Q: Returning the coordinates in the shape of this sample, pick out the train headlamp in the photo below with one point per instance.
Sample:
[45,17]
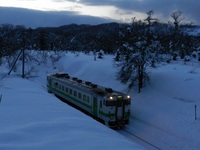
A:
[111,98]
[128,96]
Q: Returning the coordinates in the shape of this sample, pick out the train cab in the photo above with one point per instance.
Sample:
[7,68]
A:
[117,106]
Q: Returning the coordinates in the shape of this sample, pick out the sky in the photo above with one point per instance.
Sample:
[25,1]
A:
[99,11]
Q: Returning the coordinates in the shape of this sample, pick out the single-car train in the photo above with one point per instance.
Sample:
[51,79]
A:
[105,104]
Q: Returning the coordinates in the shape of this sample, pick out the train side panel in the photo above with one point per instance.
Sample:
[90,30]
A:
[72,95]
[110,107]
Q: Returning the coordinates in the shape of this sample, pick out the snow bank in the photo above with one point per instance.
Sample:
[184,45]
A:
[163,114]
[31,118]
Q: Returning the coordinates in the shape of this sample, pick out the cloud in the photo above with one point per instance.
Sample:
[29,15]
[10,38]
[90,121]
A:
[34,18]
[81,11]
[163,8]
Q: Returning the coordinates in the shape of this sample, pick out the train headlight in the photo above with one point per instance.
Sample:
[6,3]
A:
[128,96]
[111,98]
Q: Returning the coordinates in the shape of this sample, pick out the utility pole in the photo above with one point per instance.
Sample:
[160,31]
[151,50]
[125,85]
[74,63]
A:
[195,112]
[0,98]
[15,62]
[23,63]
[21,53]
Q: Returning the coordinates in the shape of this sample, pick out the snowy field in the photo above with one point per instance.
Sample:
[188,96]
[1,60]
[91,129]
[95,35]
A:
[163,114]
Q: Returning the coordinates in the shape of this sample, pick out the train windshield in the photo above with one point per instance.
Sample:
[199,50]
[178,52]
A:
[118,103]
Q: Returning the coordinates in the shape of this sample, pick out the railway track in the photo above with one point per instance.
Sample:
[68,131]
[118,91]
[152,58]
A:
[138,139]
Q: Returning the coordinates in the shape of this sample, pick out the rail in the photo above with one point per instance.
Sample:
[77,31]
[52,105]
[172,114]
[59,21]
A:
[141,140]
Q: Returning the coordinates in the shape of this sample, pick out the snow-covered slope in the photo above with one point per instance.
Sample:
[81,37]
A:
[167,107]
[163,114]
[33,119]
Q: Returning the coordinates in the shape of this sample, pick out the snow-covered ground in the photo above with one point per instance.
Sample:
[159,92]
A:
[163,114]
[165,111]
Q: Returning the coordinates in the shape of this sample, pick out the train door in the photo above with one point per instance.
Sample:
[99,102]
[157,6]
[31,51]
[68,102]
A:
[95,106]
[120,110]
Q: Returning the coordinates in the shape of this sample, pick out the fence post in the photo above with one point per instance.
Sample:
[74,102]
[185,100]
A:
[195,111]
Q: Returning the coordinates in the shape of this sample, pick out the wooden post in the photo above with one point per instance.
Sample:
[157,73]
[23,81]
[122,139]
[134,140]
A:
[23,62]
[195,111]
[0,98]
[95,55]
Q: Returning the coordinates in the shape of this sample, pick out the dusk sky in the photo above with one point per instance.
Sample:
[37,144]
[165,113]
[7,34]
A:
[60,12]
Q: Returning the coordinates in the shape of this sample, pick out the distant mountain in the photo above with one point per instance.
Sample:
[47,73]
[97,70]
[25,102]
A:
[35,18]
[84,37]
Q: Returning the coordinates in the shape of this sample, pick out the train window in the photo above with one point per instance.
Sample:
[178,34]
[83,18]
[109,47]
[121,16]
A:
[104,102]
[110,103]
[79,95]
[101,104]
[66,90]
[62,88]
[107,103]
[114,103]
[88,99]
[75,94]
[84,98]
[127,102]
[70,91]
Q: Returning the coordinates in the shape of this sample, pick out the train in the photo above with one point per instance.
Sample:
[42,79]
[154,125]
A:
[106,105]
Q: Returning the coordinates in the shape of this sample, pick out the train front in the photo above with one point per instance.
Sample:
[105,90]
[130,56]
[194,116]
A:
[118,106]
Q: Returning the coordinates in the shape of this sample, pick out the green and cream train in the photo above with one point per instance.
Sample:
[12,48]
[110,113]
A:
[109,106]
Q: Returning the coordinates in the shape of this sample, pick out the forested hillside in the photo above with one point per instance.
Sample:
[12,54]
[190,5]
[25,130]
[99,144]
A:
[79,37]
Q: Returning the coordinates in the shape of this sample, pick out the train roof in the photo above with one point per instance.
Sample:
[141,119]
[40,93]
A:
[85,85]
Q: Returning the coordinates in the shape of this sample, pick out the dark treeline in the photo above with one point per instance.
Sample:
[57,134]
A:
[84,37]
[68,37]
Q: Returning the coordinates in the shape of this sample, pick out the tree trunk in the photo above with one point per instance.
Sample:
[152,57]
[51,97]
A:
[140,78]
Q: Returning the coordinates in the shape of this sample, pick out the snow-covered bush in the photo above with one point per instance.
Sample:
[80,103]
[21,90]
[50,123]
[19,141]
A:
[32,60]
[198,55]
[195,54]
[100,54]
[187,58]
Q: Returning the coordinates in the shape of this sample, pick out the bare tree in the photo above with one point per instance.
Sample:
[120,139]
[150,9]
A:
[150,19]
[180,42]
[136,52]
[177,17]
